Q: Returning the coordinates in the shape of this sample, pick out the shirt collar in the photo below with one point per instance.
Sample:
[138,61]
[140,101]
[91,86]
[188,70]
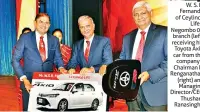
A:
[38,35]
[146,29]
[90,39]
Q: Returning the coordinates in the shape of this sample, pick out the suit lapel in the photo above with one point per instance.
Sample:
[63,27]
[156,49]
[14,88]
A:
[149,39]
[33,40]
[48,45]
[82,52]
[92,49]
[132,41]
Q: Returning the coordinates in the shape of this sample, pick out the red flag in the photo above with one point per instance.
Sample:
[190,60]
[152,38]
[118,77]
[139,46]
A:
[117,20]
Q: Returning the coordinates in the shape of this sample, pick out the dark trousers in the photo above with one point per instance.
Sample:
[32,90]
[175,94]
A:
[137,105]
[25,96]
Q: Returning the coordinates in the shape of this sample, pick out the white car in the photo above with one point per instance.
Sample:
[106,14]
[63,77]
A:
[71,96]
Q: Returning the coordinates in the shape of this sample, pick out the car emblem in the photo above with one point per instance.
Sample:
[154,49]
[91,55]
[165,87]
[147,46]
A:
[118,83]
[124,79]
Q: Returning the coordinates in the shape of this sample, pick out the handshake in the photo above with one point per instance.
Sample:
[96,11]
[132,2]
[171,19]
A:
[102,70]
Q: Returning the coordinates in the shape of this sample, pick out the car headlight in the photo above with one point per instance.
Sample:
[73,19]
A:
[52,95]
[49,95]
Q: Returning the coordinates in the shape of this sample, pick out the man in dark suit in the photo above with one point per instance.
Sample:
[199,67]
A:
[148,44]
[93,53]
[39,51]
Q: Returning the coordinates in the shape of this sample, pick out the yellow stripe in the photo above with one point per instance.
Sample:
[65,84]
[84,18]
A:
[159,11]
[27,15]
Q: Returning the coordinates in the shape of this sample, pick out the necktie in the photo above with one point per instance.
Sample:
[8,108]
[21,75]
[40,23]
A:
[42,49]
[139,53]
[87,51]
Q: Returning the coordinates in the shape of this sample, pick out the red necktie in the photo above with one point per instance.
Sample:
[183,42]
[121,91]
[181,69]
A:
[87,51]
[139,53]
[42,49]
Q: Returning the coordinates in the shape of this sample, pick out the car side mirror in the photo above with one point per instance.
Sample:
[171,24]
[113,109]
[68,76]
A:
[74,90]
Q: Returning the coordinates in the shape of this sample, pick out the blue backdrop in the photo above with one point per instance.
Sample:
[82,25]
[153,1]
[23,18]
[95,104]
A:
[7,35]
[59,12]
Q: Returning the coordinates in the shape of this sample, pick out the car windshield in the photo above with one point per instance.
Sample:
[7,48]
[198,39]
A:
[64,87]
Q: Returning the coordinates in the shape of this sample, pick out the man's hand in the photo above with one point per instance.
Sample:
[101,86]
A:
[102,69]
[71,71]
[27,84]
[144,76]
[63,70]
[87,70]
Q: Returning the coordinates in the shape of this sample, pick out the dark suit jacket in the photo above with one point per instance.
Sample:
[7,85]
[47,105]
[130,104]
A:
[100,53]
[154,61]
[26,48]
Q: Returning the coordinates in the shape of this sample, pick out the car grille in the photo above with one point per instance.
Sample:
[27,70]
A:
[42,101]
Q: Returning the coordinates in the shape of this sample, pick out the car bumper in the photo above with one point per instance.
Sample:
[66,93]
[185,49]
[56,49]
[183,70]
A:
[50,103]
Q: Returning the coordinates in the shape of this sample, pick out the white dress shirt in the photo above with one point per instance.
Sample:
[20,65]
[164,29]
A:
[137,41]
[45,42]
[85,44]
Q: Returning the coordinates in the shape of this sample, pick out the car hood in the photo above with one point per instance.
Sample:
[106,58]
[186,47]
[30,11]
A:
[56,92]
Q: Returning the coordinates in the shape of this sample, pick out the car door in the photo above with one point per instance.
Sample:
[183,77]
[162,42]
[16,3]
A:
[89,93]
[77,96]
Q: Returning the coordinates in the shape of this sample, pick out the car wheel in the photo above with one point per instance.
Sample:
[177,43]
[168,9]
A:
[62,106]
[95,104]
